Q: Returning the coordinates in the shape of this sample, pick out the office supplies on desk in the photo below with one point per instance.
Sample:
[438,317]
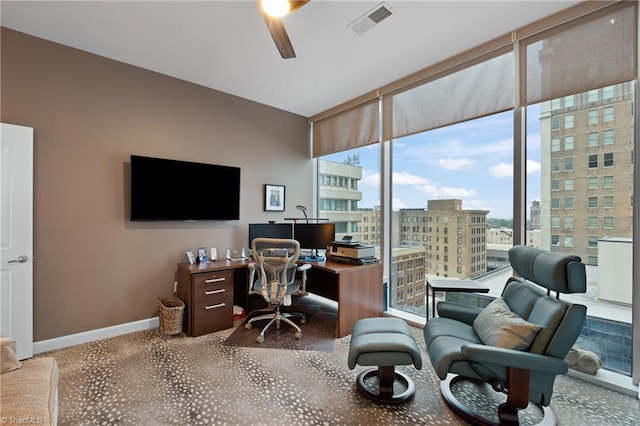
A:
[312,259]
[355,261]
[353,250]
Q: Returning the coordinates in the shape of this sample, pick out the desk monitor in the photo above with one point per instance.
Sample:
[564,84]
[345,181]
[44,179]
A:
[314,236]
[270,230]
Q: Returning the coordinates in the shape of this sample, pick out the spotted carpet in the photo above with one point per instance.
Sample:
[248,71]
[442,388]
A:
[145,378]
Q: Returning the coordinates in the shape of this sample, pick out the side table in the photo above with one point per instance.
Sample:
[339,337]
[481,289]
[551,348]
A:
[453,285]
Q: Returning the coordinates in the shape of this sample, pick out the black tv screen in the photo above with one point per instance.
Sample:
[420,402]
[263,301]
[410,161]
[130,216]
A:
[163,189]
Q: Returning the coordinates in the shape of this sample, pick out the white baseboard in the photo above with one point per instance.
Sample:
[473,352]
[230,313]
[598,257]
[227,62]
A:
[93,335]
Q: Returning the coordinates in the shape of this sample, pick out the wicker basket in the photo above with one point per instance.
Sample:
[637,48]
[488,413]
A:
[171,313]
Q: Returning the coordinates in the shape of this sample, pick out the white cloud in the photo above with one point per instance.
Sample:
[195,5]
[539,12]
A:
[372,180]
[398,204]
[533,167]
[430,188]
[502,170]
[477,204]
[448,192]
[456,145]
[454,163]
[405,178]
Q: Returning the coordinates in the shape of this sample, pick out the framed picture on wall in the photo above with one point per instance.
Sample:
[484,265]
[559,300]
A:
[273,198]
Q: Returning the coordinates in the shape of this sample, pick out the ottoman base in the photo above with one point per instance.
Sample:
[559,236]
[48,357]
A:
[387,377]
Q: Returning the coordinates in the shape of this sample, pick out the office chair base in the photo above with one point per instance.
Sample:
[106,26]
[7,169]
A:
[277,317]
[387,376]
[507,415]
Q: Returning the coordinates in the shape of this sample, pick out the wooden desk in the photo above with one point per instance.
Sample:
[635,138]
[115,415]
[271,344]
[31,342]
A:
[455,285]
[356,288]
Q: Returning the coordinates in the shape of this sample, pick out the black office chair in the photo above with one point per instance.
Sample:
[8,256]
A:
[273,275]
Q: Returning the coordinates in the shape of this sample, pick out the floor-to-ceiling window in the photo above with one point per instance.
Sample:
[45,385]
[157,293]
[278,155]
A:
[452,191]
[583,144]
[456,191]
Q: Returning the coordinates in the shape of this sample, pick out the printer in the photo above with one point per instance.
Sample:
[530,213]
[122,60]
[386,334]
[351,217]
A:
[351,250]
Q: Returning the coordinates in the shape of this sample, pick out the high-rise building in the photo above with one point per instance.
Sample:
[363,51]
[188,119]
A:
[408,285]
[454,239]
[534,212]
[339,196]
[586,150]
[457,240]
[369,229]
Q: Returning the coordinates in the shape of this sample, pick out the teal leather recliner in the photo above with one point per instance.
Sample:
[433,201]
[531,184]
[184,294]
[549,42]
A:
[518,342]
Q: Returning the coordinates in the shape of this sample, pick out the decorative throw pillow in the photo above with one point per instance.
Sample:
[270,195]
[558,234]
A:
[497,326]
[8,357]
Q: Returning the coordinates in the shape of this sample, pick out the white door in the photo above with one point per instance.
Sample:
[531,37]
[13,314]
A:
[16,236]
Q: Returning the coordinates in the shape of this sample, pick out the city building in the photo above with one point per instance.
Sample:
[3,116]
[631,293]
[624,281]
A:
[408,286]
[457,243]
[534,212]
[500,236]
[339,196]
[587,149]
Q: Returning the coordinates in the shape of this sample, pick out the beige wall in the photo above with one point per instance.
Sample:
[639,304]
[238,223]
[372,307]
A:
[94,268]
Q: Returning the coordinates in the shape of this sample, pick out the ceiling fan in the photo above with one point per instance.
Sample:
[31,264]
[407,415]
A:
[273,10]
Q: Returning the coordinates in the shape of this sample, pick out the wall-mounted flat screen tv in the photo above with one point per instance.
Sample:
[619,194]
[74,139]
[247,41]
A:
[164,189]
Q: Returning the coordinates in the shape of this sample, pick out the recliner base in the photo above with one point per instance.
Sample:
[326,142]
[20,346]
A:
[509,415]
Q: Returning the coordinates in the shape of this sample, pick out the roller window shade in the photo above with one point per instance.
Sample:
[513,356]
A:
[593,51]
[355,127]
[473,90]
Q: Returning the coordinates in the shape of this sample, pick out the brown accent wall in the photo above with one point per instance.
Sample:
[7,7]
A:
[93,267]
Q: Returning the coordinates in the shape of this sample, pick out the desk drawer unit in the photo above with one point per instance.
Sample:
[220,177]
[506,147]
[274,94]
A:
[211,302]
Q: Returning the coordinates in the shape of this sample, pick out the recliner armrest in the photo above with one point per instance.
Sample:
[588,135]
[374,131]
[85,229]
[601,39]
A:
[517,359]
[458,311]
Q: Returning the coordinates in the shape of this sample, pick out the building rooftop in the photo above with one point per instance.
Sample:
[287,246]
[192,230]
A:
[495,280]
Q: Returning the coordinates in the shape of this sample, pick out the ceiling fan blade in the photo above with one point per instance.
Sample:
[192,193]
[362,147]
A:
[297,4]
[280,37]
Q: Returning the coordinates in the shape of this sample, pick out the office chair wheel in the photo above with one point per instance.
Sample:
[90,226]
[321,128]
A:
[303,320]
[260,338]
[248,326]
[299,335]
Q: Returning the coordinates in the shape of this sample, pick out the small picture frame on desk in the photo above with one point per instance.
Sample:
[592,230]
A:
[190,257]
[274,198]
[202,255]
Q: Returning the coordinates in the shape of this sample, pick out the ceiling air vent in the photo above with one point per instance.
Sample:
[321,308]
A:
[371,18]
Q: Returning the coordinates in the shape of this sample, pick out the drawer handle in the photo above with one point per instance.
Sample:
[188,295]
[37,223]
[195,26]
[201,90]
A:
[219,305]
[222,290]
[214,280]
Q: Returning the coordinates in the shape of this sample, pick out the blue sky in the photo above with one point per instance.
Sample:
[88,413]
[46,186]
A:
[471,161]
